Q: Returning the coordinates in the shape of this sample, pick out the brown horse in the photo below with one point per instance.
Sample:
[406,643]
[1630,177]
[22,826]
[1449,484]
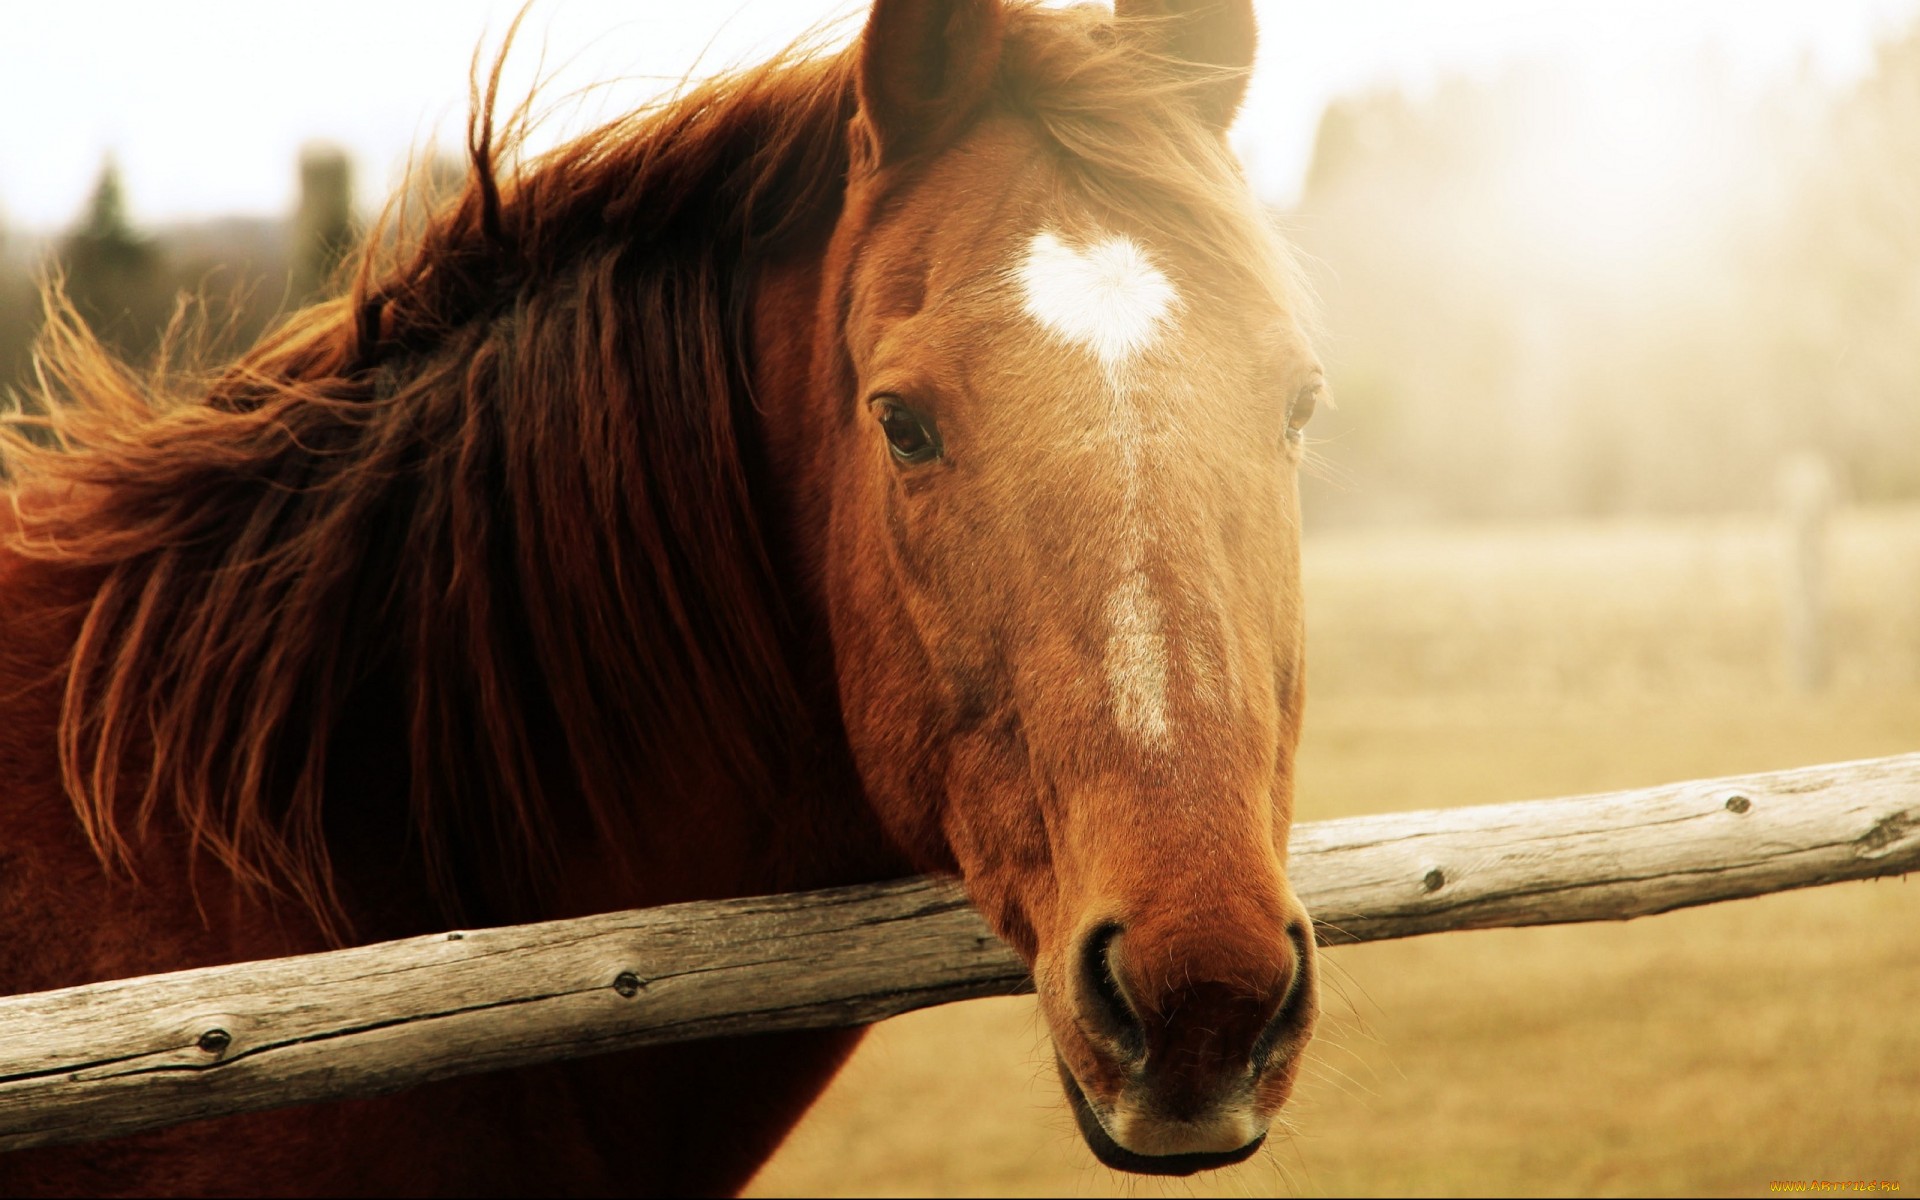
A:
[866,464]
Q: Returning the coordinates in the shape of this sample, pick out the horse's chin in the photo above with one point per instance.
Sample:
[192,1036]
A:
[1114,1155]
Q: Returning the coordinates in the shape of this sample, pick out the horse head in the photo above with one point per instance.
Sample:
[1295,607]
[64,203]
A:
[1058,381]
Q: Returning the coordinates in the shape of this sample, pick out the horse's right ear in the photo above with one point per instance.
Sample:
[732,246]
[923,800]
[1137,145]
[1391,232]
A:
[924,66]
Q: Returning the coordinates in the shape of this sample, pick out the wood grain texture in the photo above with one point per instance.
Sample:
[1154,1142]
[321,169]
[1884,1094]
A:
[1608,857]
[113,1058]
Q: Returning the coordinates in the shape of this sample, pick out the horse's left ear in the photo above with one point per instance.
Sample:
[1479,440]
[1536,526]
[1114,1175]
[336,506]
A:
[924,66]
[1215,35]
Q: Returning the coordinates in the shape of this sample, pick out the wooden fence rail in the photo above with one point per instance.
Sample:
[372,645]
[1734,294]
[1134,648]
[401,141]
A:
[112,1058]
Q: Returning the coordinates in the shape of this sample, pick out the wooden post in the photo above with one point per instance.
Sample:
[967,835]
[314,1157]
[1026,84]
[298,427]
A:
[112,1058]
[1806,498]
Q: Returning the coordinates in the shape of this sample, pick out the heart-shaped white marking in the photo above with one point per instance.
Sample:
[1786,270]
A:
[1108,297]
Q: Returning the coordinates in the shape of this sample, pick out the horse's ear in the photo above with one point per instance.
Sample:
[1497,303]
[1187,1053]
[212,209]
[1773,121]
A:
[924,65]
[1216,36]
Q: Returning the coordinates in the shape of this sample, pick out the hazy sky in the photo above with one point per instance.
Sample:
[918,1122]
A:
[205,103]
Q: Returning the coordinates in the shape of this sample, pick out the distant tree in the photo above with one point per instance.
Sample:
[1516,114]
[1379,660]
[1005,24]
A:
[114,276]
[323,225]
[19,322]
[13,327]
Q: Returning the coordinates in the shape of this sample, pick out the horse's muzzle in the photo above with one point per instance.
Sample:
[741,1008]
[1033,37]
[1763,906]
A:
[1179,1067]
[1114,1155]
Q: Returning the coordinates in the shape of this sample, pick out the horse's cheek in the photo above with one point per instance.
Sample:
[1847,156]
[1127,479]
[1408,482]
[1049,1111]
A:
[884,679]
[999,836]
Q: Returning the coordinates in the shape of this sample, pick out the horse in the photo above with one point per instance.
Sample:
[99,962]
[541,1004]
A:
[877,461]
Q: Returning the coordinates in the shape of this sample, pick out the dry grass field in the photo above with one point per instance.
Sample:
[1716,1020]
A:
[1710,1051]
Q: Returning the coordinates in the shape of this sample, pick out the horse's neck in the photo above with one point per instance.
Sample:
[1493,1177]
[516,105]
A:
[42,606]
[796,430]
[793,425]
[39,619]
[702,843]
[698,838]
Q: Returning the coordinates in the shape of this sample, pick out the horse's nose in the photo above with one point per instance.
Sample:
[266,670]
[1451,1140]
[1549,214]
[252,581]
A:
[1194,1021]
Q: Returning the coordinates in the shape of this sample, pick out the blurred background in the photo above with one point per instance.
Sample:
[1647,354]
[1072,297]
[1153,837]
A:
[1621,306]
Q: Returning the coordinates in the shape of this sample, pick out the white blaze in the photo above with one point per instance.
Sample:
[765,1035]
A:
[1137,659]
[1109,298]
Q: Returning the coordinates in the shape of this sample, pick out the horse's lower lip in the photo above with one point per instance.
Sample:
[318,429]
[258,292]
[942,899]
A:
[1114,1155]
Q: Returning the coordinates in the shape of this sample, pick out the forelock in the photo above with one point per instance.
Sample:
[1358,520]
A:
[1127,137]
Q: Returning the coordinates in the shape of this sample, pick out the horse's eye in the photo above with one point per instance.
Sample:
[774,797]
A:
[911,437]
[1301,411]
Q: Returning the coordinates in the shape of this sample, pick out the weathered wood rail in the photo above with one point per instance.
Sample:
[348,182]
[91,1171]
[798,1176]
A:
[112,1058]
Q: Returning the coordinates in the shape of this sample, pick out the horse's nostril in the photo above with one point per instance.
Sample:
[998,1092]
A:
[1293,1011]
[1105,1001]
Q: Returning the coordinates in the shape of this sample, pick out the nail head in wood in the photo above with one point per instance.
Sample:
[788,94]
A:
[1434,880]
[1737,803]
[215,1041]
[627,984]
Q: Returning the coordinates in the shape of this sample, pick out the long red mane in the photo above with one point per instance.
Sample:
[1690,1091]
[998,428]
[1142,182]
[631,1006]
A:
[499,494]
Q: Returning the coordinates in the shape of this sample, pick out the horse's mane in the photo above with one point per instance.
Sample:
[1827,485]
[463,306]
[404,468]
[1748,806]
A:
[503,492]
